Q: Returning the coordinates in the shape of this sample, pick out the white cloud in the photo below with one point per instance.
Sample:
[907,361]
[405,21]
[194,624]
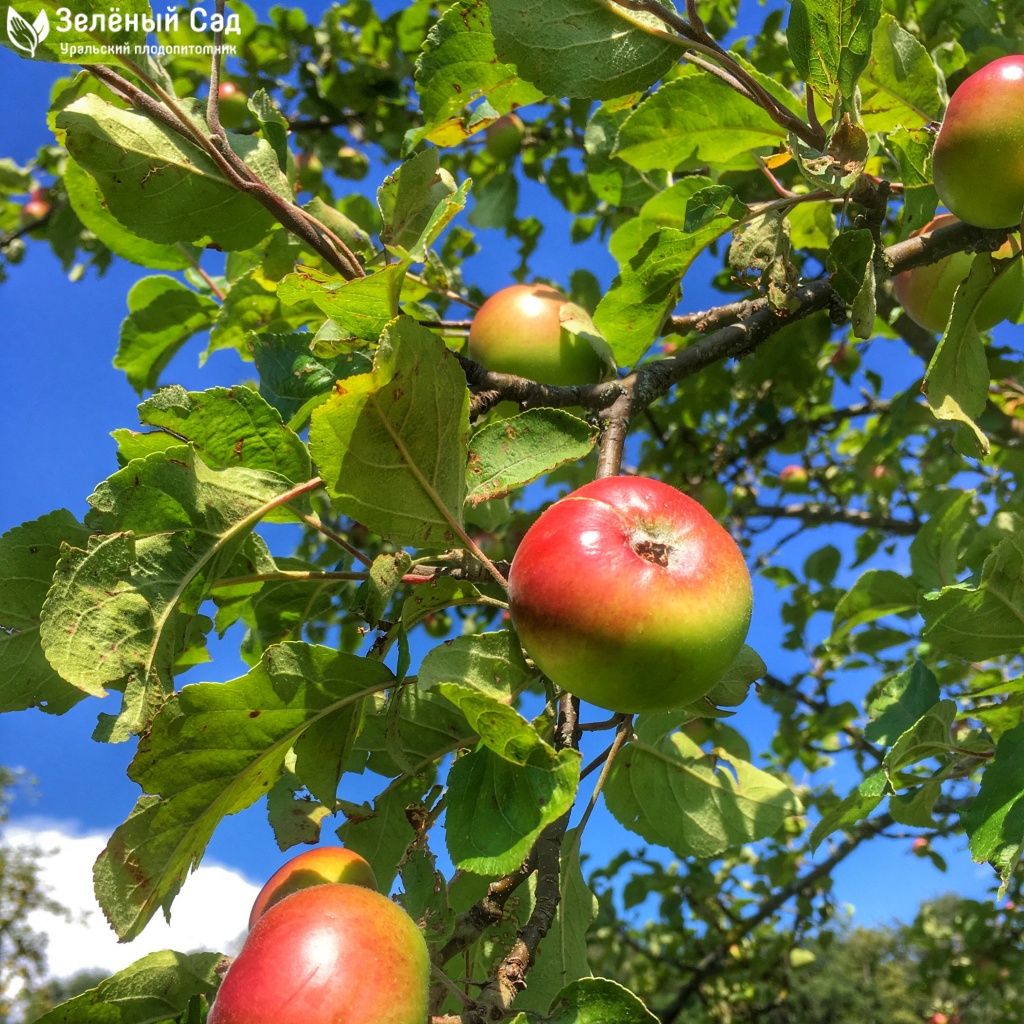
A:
[211,911]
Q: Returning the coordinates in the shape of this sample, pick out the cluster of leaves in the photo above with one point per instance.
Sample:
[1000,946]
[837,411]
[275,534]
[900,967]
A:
[367,435]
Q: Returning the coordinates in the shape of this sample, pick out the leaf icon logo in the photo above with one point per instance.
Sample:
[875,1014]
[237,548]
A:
[25,35]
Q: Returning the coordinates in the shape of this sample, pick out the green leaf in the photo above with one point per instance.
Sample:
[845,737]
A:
[927,737]
[14,178]
[877,593]
[510,453]
[957,380]
[987,621]
[416,203]
[292,372]
[900,703]
[669,791]
[457,66]
[497,809]
[391,444]
[830,44]
[696,120]
[120,612]
[853,808]
[915,807]
[598,1001]
[995,821]
[847,261]
[28,555]
[162,315]
[935,551]
[230,427]
[490,663]
[362,307]
[294,817]
[385,578]
[161,186]
[501,728]
[901,85]
[156,988]
[214,749]
[87,202]
[579,48]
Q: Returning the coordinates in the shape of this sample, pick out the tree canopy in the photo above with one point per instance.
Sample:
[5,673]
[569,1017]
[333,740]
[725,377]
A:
[329,231]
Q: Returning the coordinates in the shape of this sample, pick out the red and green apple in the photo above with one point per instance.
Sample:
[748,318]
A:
[630,595]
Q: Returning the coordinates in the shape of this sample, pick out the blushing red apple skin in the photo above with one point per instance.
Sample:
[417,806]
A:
[926,293]
[623,631]
[978,159]
[517,330]
[318,866]
[329,954]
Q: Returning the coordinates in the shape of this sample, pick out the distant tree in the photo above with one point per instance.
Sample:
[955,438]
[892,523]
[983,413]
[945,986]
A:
[22,948]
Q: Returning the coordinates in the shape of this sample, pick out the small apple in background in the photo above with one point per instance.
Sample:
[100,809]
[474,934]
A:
[845,361]
[629,595]
[938,1018]
[794,478]
[978,159]
[309,172]
[518,331]
[504,138]
[232,104]
[318,866]
[712,495]
[919,846]
[926,293]
[351,163]
[437,624]
[329,954]
[882,479]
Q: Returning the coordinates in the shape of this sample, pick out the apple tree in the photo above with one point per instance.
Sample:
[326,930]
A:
[349,506]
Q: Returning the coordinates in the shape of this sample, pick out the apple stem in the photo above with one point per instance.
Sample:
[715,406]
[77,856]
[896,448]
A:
[622,734]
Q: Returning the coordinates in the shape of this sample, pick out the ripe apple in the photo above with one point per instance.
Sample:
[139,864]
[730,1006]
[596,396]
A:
[978,159]
[926,293]
[938,1018]
[793,478]
[504,138]
[628,594]
[882,479]
[35,210]
[313,867]
[919,846]
[518,330]
[232,104]
[330,954]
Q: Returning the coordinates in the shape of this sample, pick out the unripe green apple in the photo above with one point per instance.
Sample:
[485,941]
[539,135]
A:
[309,172]
[330,954]
[926,293]
[318,866]
[794,478]
[518,330]
[504,138]
[712,495]
[978,159]
[232,105]
[629,595]
[845,361]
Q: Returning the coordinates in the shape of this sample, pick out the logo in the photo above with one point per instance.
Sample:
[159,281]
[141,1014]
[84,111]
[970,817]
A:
[27,35]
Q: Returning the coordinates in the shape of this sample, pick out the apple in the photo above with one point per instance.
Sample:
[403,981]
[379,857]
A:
[793,478]
[926,293]
[938,1018]
[318,866]
[978,159]
[309,172]
[34,210]
[352,164]
[845,361]
[882,479]
[630,595]
[518,330]
[504,138]
[712,495]
[437,624]
[919,846]
[329,954]
[232,105]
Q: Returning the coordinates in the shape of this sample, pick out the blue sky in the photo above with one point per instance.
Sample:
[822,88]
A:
[61,400]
